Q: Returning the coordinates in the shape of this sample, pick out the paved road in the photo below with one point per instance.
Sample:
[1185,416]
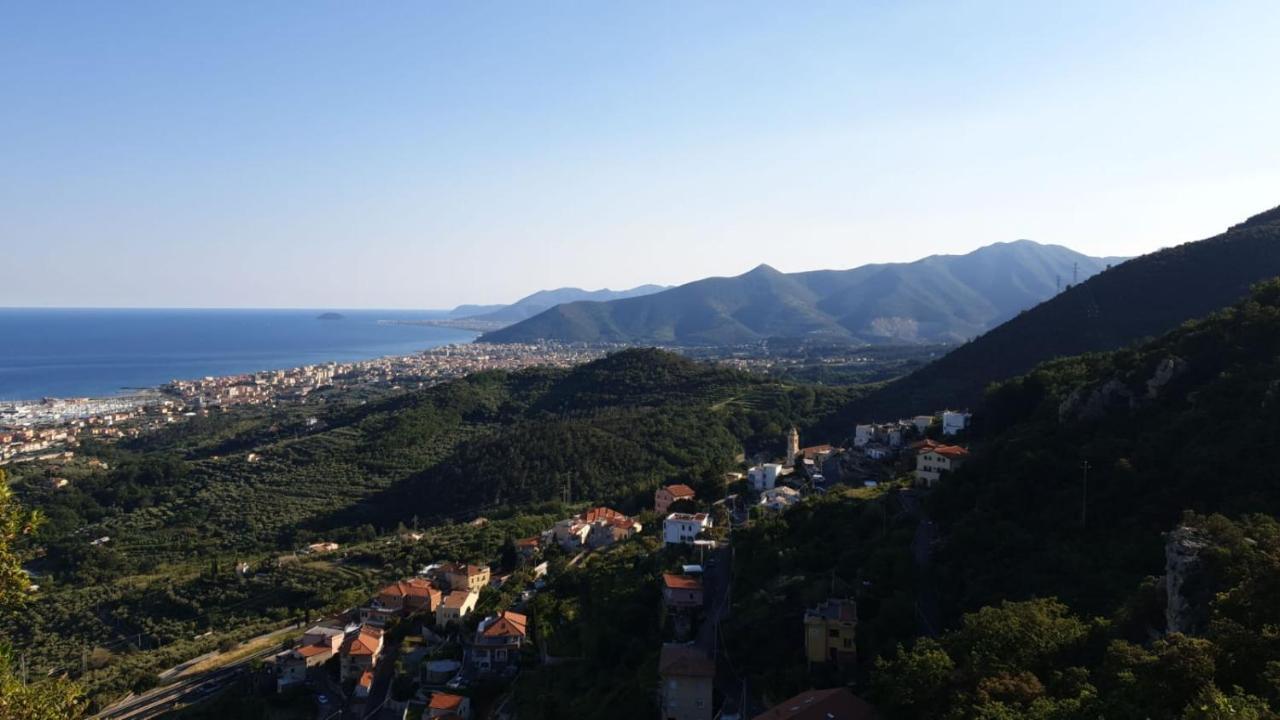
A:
[716,583]
[191,689]
[922,545]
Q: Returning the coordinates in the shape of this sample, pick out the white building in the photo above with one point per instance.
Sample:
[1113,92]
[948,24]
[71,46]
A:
[876,451]
[680,528]
[779,498]
[953,422]
[863,434]
[764,477]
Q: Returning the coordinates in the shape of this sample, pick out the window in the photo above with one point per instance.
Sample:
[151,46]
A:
[833,633]
[848,643]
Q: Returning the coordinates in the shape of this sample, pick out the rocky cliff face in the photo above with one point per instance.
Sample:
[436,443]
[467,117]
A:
[1092,402]
[1185,606]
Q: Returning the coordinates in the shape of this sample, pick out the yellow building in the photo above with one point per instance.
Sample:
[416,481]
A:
[830,632]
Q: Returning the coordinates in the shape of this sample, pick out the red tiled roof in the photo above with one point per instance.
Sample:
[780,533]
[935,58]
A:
[603,513]
[833,704]
[950,451]
[456,599]
[366,679]
[508,624]
[685,660]
[445,701]
[681,582]
[367,642]
[680,491]
[312,650]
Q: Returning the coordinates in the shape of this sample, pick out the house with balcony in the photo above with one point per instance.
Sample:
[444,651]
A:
[933,460]
[498,641]
[684,528]
[360,652]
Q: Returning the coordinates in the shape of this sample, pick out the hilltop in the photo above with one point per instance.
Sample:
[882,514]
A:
[1141,298]
[942,298]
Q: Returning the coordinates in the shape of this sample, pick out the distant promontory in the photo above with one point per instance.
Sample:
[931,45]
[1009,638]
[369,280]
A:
[330,316]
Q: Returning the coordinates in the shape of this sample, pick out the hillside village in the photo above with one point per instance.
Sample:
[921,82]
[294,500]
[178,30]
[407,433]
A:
[419,647]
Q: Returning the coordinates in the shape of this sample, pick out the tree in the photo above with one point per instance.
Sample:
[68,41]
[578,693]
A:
[14,523]
[509,556]
[47,698]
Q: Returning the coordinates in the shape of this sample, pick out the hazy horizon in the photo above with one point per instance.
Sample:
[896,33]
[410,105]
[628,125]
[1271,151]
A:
[455,305]
[416,156]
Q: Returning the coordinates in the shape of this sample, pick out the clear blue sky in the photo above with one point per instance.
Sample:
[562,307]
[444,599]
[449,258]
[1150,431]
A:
[424,154]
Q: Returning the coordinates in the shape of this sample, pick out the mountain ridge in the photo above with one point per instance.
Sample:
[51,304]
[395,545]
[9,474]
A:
[1143,297]
[939,298]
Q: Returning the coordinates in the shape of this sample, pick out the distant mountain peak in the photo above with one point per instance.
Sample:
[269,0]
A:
[943,298]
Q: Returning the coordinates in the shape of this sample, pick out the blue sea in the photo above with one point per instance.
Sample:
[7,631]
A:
[92,352]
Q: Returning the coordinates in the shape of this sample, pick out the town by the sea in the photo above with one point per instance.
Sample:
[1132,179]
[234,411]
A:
[46,352]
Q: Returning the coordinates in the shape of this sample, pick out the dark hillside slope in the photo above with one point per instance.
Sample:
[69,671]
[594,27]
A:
[1177,424]
[1141,298]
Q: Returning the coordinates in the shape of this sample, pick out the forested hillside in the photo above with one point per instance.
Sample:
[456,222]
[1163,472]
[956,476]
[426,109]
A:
[1175,433]
[1141,298]
[179,509]
[942,298]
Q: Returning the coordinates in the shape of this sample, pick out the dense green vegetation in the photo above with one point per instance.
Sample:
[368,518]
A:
[848,544]
[1037,659]
[182,507]
[1168,431]
[941,298]
[1141,298]
[601,621]
[21,697]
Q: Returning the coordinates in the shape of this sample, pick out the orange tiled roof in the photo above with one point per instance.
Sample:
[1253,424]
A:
[508,624]
[312,650]
[681,582]
[367,642]
[366,679]
[445,701]
[603,513]
[455,599]
[950,451]
[680,491]
[686,661]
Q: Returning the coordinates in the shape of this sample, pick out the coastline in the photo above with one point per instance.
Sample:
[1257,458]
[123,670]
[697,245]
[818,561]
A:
[88,353]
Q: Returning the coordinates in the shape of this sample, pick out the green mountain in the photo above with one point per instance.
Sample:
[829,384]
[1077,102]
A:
[1143,297]
[942,298]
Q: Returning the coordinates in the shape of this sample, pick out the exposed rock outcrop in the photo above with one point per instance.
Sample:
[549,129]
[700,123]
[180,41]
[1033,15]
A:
[1185,604]
[1167,371]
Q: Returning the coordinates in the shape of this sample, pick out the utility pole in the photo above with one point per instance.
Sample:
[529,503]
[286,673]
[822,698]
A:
[1084,493]
[1075,273]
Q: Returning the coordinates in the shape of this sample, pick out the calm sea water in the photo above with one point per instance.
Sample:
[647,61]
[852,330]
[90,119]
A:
[72,353]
